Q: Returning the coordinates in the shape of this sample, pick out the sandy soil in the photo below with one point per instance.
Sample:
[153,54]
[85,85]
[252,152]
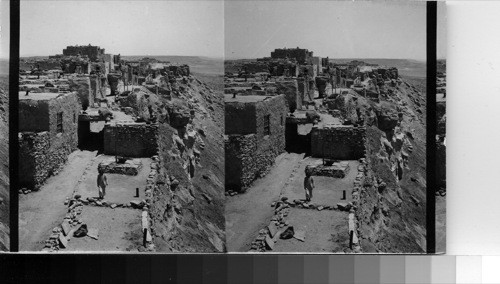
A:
[41,211]
[121,188]
[250,212]
[440,223]
[321,229]
[328,191]
[247,213]
[119,230]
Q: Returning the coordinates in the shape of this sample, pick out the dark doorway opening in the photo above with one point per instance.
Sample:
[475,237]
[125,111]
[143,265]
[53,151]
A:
[89,138]
[297,142]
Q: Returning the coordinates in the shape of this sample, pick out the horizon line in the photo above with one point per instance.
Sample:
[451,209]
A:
[131,55]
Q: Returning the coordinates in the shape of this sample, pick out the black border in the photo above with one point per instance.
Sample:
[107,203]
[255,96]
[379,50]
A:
[13,124]
[431,126]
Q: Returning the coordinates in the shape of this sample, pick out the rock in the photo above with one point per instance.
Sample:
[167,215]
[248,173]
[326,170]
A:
[387,120]
[93,233]
[381,187]
[174,183]
[66,227]
[136,204]
[66,202]
[206,177]
[269,243]
[63,241]
[70,234]
[300,235]
[273,229]
[81,231]
[342,206]
[284,198]
[78,196]
[98,203]
[288,233]
[113,206]
[207,198]
[320,208]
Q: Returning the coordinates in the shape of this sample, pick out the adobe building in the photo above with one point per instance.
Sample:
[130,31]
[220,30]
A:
[47,134]
[92,52]
[303,56]
[131,139]
[338,142]
[255,136]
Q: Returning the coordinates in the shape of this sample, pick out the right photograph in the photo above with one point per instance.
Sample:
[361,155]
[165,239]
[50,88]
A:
[325,127]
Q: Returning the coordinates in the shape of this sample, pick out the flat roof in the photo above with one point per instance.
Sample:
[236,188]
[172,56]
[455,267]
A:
[40,96]
[228,98]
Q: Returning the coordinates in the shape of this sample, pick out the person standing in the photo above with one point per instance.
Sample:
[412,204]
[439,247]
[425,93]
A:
[308,184]
[102,182]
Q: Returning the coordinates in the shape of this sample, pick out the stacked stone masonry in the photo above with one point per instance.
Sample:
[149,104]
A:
[131,140]
[40,158]
[249,156]
[342,143]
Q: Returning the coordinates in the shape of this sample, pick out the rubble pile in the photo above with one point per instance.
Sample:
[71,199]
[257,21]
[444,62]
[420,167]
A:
[129,167]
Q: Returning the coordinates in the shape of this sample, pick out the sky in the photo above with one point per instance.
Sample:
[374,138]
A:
[4,29]
[442,27]
[188,28]
[343,29]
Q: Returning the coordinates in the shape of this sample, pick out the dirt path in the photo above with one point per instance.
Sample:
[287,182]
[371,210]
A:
[326,230]
[441,223]
[119,228]
[41,211]
[328,191]
[248,213]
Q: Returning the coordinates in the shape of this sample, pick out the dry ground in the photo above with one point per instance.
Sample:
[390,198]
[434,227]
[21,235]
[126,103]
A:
[41,211]
[326,230]
[249,212]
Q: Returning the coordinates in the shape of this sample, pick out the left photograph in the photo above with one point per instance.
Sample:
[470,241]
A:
[4,127]
[121,127]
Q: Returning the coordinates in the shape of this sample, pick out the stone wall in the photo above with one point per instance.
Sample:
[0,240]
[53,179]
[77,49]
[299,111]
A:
[239,166]
[275,108]
[343,143]
[303,89]
[69,106]
[44,149]
[248,157]
[97,90]
[301,55]
[33,115]
[291,91]
[40,158]
[239,118]
[131,140]
[82,86]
